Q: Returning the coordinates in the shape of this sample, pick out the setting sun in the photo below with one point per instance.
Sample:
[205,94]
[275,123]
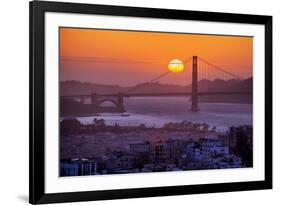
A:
[176,66]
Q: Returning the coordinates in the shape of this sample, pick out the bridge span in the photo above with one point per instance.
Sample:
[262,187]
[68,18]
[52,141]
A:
[208,72]
[118,99]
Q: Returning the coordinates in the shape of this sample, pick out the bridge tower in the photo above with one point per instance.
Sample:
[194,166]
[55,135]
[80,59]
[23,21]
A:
[120,102]
[194,106]
[94,101]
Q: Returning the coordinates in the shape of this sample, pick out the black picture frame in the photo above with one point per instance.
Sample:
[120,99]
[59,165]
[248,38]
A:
[37,9]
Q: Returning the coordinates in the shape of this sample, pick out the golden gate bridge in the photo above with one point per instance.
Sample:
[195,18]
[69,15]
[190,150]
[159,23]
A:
[196,69]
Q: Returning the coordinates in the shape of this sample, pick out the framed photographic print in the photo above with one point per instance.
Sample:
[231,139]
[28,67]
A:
[140,102]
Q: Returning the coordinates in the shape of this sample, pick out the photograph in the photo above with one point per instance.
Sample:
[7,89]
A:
[135,102]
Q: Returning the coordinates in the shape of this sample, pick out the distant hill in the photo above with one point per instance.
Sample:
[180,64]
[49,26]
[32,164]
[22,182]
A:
[217,85]
[81,88]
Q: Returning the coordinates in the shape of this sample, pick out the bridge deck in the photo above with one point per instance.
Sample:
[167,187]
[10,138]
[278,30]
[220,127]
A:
[160,94]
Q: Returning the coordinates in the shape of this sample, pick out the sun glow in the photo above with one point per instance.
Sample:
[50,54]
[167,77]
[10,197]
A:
[176,66]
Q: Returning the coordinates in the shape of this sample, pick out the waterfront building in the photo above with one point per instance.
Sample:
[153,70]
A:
[140,147]
[235,133]
[78,167]
[126,161]
[212,148]
[159,152]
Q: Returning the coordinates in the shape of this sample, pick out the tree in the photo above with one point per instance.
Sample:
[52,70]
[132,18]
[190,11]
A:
[70,126]
[205,127]
[142,126]
[116,127]
[99,122]
[244,149]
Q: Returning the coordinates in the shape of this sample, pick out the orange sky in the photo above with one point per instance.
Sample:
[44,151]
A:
[128,58]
